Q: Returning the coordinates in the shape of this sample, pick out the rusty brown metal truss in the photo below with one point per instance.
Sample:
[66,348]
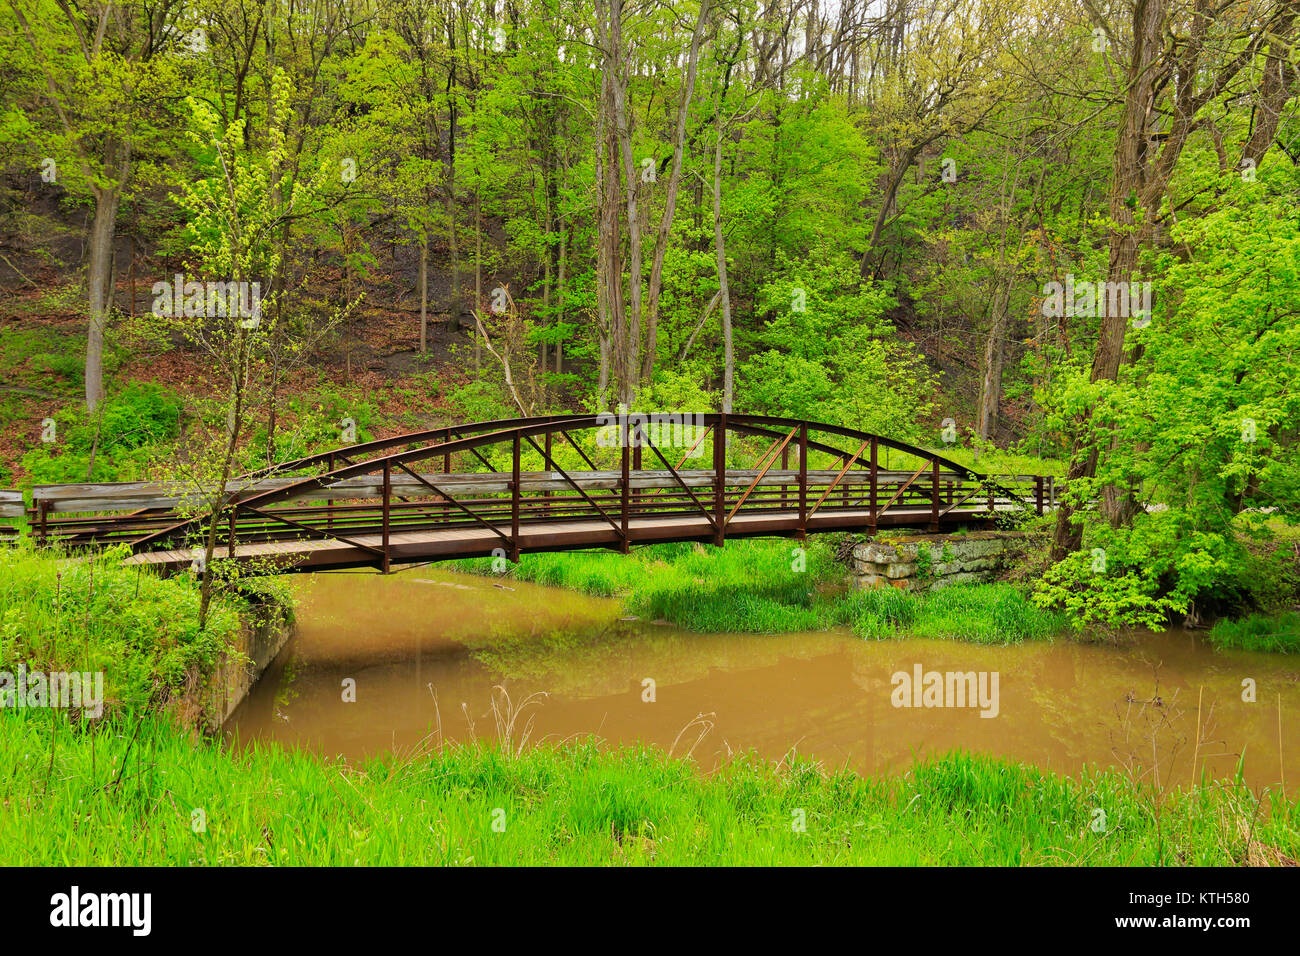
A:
[401,500]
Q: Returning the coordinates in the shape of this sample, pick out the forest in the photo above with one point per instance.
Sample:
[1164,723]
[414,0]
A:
[1058,235]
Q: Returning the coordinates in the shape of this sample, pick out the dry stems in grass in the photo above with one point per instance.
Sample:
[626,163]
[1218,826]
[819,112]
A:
[704,722]
[506,715]
[1148,727]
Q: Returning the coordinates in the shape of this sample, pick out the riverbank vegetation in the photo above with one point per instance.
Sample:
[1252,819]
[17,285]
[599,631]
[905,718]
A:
[91,613]
[143,793]
[773,586]
[134,787]
[1259,632]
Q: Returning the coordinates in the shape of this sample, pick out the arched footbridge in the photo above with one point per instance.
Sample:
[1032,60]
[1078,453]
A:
[553,483]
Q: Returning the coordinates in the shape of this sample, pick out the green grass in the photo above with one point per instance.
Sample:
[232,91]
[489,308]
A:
[40,357]
[93,614]
[128,795]
[1279,633]
[753,586]
[981,614]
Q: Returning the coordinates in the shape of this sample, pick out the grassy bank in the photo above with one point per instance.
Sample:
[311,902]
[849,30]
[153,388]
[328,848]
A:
[134,788]
[149,795]
[768,586]
[1278,633]
[60,613]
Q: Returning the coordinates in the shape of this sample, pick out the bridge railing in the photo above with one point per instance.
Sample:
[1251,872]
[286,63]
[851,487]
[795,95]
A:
[743,473]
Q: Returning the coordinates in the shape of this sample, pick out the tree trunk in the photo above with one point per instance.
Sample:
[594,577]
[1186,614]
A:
[99,276]
[235,421]
[670,203]
[424,292]
[559,342]
[478,279]
[1131,167]
[611,324]
[724,293]
[991,389]
[887,205]
[626,324]
[453,317]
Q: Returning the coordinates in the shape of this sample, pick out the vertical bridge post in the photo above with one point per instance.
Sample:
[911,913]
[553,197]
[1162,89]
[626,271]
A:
[934,498]
[720,480]
[803,480]
[874,479]
[1038,493]
[625,486]
[785,466]
[329,504]
[388,497]
[636,460]
[446,469]
[547,465]
[514,502]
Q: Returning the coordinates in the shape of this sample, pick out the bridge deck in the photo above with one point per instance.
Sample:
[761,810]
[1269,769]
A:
[406,547]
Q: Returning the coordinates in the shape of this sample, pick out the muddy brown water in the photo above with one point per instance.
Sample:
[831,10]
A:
[426,648]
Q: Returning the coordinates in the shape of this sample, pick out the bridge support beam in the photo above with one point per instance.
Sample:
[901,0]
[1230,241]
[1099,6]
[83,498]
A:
[803,481]
[514,502]
[625,489]
[388,498]
[875,477]
[934,498]
[720,480]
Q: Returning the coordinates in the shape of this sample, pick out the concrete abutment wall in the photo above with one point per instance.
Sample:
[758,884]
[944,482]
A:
[929,562]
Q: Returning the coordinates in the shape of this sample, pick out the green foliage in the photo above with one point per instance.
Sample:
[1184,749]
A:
[131,425]
[1140,575]
[746,586]
[481,401]
[95,614]
[1210,442]
[824,356]
[883,612]
[317,420]
[680,388]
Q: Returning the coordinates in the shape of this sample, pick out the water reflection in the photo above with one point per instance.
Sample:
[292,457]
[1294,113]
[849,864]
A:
[425,648]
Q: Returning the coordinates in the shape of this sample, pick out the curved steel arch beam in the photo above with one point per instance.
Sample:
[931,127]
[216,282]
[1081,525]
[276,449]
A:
[381,444]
